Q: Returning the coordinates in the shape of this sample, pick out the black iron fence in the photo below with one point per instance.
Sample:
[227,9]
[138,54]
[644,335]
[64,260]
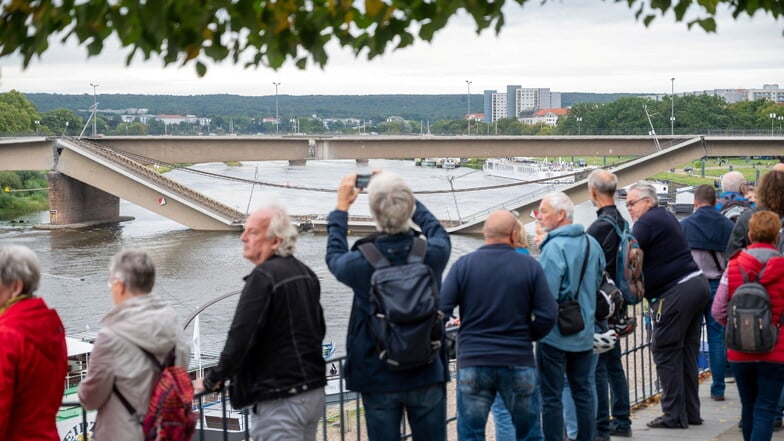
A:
[342,417]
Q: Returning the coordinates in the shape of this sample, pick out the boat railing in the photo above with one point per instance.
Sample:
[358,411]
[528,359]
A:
[342,416]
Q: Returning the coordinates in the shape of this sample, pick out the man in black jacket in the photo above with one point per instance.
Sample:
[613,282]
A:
[273,351]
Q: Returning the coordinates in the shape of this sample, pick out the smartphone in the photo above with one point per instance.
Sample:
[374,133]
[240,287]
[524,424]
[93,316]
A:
[362,181]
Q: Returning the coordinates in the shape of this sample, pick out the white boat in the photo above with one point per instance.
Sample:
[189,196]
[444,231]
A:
[529,169]
[428,162]
[449,163]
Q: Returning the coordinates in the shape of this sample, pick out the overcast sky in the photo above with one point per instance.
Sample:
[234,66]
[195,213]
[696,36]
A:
[585,46]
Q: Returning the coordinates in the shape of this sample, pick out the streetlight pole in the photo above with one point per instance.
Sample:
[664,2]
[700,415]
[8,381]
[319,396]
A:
[672,109]
[780,118]
[468,83]
[772,118]
[579,125]
[277,120]
[95,109]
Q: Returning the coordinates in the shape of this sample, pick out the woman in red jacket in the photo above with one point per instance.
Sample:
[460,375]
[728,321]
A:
[33,358]
[759,376]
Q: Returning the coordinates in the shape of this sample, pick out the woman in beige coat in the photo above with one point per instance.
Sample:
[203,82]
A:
[139,320]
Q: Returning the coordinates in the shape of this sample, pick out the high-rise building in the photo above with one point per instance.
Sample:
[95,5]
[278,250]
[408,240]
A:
[511,101]
[495,106]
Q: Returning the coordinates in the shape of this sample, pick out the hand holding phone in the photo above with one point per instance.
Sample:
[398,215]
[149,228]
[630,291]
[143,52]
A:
[362,181]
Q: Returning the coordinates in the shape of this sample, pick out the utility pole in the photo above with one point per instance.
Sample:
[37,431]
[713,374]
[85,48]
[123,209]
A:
[672,112]
[277,120]
[95,110]
[468,114]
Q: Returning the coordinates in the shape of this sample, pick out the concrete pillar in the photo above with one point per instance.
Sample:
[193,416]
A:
[363,162]
[72,202]
[297,162]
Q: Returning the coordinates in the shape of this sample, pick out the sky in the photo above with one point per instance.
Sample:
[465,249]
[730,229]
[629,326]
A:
[582,46]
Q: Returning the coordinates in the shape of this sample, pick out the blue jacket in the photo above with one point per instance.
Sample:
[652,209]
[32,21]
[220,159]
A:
[363,370]
[504,303]
[561,258]
[707,229]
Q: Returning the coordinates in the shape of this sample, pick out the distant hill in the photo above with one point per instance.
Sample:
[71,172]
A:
[372,107]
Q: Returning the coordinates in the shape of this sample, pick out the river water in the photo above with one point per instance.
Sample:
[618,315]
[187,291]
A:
[194,267]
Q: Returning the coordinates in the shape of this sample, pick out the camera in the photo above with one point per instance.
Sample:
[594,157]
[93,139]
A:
[362,181]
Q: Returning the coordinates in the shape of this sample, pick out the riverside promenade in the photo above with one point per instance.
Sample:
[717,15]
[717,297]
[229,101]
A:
[721,420]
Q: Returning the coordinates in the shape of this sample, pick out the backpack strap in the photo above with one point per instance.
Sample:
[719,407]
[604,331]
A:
[374,256]
[168,361]
[612,222]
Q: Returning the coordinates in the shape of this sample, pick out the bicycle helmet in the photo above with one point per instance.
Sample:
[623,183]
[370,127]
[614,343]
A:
[604,342]
[623,326]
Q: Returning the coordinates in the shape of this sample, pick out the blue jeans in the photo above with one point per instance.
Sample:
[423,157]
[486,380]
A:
[717,352]
[759,386]
[553,363]
[504,427]
[477,387]
[425,408]
[610,377]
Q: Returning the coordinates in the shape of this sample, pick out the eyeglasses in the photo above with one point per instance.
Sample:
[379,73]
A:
[631,204]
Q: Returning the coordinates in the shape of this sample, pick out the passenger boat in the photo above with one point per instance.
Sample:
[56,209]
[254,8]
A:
[428,162]
[529,169]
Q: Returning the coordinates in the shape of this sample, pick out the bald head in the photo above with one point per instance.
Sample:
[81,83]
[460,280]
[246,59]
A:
[501,227]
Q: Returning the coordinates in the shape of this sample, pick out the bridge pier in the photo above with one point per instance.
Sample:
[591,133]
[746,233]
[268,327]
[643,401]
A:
[363,162]
[74,202]
[297,162]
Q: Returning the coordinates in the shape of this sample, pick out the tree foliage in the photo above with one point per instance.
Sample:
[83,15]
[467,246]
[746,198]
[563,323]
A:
[270,33]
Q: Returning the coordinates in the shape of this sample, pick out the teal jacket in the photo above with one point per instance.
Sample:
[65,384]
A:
[561,258]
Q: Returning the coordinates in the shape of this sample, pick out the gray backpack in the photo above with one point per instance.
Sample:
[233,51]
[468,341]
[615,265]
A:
[750,326]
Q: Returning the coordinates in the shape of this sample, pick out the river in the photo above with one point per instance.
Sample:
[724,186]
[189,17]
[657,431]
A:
[194,267]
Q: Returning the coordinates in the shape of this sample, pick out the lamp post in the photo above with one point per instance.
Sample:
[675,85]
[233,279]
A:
[579,124]
[468,83]
[772,118]
[37,123]
[277,120]
[780,118]
[95,109]
[672,107]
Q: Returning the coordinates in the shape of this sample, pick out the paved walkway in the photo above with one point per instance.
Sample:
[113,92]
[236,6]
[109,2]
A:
[721,420]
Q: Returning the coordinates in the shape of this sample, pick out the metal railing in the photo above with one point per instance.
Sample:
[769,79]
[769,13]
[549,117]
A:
[342,413]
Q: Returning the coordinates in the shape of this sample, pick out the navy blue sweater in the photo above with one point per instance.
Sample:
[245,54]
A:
[667,256]
[505,304]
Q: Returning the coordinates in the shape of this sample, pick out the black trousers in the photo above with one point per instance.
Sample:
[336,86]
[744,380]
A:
[675,346]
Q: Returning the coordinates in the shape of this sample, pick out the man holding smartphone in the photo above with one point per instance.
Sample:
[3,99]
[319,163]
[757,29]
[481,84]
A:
[387,393]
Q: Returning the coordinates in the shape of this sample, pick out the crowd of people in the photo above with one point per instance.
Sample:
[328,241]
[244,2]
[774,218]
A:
[527,342]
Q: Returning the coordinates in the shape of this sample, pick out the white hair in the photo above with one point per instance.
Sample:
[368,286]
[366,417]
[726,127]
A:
[732,181]
[391,202]
[18,262]
[560,201]
[280,226]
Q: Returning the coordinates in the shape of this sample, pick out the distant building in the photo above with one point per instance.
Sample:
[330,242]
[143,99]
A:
[495,106]
[768,92]
[518,102]
[545,116]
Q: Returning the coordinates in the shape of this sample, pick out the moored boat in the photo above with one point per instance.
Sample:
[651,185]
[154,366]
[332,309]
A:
[529,169]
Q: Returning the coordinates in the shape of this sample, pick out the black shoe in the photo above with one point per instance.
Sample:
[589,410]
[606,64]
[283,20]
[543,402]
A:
[697,422]
[659,423]
[625,432]
[777,425]
[717,397]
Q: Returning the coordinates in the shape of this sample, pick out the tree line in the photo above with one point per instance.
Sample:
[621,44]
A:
[19,115]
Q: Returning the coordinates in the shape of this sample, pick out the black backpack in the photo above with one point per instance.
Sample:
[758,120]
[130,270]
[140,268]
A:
[750,327]
[733,208]
[404,315]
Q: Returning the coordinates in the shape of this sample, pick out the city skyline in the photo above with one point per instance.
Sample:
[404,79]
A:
[577,48]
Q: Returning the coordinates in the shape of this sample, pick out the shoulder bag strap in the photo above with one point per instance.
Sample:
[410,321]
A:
[716,261]
[169,359]
[585,264]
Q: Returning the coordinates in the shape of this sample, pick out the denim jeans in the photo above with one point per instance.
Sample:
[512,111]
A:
[425,408]
[477,387]
[570,410]
[504,427]
[759,386]
[553,363]
[717,352]
[611,385]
